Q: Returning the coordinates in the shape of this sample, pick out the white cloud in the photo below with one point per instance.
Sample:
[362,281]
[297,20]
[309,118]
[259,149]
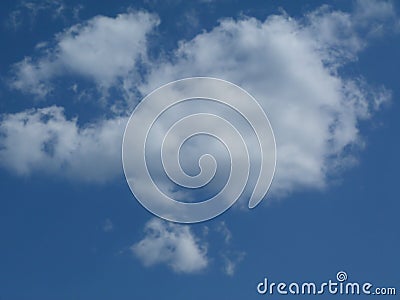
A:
[171,244]
[102,49]
[30,10]
[231,260]
[291,67]
[180,249]
[44,140]
[339,36]
[377,16]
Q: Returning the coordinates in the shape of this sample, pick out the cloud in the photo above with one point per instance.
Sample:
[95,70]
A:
[181,250]
[378,17]
[339,36]
[171,244]
[224,230]
[231,260]
[44,140]
[27,13]
[230,257]
[292,67]
[108,226]
[102,49]
[30,10]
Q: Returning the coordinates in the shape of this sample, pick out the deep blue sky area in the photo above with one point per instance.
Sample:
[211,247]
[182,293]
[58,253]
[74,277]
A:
[65,236]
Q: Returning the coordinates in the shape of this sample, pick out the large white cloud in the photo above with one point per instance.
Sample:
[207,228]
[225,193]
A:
[102,49]
[291,66]
[171,244]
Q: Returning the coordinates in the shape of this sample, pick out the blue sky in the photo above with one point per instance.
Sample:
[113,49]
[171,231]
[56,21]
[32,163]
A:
[71,74]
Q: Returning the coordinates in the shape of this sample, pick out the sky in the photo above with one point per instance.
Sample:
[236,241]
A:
[71,73]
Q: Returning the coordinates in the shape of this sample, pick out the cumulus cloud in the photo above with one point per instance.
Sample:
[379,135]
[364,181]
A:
[44,140]
[291,66]
[102,49]
[171,244]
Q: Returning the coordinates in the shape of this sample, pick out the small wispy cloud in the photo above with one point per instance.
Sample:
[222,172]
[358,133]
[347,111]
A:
[26,12]
[224,230]
[230,256]
[178,247]
[173,245]
[231,260]
[108,225]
